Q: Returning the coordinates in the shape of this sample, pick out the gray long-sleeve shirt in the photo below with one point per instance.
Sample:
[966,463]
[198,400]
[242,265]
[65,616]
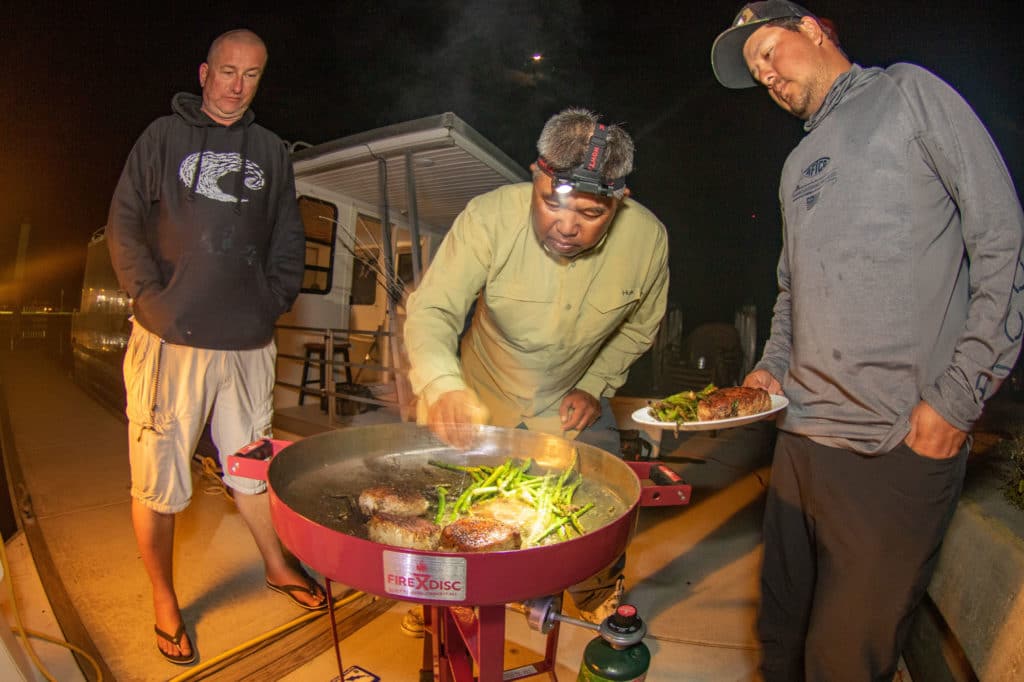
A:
[900,271]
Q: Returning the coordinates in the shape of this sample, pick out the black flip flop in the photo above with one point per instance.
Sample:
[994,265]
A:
[290,590]
[177,659]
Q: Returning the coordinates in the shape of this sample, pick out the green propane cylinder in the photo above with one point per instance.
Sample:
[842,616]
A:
[618,654]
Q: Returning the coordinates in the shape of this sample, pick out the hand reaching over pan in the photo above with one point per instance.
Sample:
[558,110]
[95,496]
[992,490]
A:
[452,412]
[578,410]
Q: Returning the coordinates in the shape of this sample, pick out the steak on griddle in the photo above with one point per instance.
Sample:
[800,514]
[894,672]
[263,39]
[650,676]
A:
[411,532]
[388,499]
[476,534]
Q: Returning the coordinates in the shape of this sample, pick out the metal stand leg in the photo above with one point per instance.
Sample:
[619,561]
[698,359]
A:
[430,670]
[461,639]
[334,627]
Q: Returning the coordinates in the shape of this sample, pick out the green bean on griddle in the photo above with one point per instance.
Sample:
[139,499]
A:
[441,494]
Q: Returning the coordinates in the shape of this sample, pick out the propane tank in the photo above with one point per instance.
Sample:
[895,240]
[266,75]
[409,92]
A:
[618,654]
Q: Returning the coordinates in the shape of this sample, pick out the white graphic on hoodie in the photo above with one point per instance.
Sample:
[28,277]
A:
[215,166]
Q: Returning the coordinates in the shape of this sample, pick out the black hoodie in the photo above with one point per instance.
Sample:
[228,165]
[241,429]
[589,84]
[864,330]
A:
[211,256]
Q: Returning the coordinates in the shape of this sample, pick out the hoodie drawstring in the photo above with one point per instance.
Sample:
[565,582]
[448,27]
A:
[199,167]
[240,182]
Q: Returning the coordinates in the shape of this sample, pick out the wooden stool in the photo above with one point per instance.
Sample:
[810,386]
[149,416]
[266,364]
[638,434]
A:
[315,351]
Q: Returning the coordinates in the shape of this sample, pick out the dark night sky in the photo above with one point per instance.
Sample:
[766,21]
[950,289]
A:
[81,80]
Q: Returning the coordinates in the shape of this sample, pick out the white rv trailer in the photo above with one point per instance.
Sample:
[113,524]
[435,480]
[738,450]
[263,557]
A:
[415,177]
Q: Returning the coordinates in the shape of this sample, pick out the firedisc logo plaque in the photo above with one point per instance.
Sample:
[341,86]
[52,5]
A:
[425,577]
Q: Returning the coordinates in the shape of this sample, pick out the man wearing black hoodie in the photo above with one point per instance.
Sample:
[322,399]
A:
[205,236]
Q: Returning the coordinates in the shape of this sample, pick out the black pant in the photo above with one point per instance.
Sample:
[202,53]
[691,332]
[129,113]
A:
[850,543]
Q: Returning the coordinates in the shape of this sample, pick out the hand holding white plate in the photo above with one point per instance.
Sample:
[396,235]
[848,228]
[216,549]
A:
[644,416]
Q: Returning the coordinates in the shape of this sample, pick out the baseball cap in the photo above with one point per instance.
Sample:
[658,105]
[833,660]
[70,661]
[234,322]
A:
[727,52]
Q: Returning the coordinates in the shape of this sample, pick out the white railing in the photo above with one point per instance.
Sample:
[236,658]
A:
[338,341]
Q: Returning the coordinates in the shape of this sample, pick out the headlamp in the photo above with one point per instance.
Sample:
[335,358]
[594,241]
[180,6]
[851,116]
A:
[585,177]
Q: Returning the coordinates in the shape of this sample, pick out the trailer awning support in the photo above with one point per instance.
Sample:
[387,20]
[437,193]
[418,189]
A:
[414,217]
[396,347]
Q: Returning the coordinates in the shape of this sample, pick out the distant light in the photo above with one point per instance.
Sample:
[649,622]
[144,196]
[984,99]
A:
[753,216]
[537,56]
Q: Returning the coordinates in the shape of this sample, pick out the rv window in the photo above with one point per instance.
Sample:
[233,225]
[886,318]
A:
[320,219]
[405,269]
[364,277]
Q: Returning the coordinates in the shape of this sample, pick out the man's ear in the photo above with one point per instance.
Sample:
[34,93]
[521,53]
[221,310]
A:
[204,71]
[812,30]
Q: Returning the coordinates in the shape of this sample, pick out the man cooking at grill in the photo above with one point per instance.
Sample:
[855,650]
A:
[570,279]
[205,235]
[898,315]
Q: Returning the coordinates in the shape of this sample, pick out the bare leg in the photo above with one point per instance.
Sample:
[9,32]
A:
[281,568]
[154,532]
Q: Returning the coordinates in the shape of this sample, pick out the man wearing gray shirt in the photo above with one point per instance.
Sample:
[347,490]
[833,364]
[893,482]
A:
[898,315]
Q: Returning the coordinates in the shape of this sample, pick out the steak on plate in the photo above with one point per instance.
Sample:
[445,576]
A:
[735,401]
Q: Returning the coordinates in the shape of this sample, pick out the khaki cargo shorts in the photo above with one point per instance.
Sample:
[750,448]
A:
[172,391]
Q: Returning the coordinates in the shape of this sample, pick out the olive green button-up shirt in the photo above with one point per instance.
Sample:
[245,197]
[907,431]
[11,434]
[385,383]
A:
[541,327]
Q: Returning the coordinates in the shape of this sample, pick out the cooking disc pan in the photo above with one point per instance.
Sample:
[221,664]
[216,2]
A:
[313,484]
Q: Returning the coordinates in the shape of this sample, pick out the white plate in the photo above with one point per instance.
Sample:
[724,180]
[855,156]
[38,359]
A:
[643,416]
